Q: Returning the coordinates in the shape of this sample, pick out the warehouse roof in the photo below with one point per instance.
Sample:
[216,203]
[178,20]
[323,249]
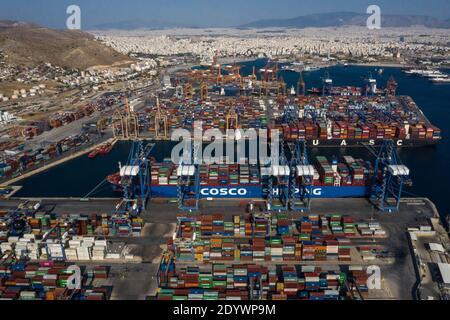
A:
[444,269]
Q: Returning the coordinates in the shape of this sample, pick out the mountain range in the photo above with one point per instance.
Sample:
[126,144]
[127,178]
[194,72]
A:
[336,19]
[320,20]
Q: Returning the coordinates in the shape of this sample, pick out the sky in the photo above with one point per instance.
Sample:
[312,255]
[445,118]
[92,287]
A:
[52,13]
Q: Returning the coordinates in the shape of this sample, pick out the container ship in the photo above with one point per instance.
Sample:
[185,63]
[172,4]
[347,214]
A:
[332,179]
[346,117]
[352,119]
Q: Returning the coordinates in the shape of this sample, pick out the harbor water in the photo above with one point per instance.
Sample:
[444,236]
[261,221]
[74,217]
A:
[429,165]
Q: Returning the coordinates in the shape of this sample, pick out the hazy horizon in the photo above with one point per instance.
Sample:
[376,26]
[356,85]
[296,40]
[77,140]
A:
[202,13]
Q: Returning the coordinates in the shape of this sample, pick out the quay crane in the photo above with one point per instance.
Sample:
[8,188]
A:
[280,175]
[371,85]
[302,174]
[60,240]
[301,86]
[290,114]
[161,122]
[135,179]
[166,266]
[189,180]
[391,87]
[327,85]
[16,218]
[389,179]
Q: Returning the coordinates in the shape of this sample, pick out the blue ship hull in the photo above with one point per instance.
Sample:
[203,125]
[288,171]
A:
[257,192]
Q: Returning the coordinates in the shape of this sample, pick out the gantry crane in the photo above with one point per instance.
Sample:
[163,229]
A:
[302,175]
[278,177]
[179,92]
[204,91]
[16,219]
[264,88]
[281,87]
[327,83]
[166,266]
[161,123]
[290,114]
[270,72]
[389,178]
[391,87]
[232,119]
[188,91]
[253,76]
[60,238]
[188,173]
[135,179]
[125,123]
[301,86]
[371,85]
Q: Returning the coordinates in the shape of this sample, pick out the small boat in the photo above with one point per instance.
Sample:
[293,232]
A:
[440,80]
[101,150]
[293,91]
[93,154]
[105,149]
[315,91]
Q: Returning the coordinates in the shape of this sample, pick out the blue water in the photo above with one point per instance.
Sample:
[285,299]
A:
[429,165]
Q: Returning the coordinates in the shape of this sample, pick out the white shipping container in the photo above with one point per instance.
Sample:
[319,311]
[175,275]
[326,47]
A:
[113,256]
[13,239]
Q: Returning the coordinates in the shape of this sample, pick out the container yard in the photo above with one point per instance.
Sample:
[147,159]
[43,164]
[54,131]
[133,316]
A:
[219,282]
[48,281]
[273,239]
[167,255]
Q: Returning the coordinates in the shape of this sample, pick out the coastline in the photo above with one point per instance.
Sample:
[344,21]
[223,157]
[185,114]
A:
[379,64]
[55,163]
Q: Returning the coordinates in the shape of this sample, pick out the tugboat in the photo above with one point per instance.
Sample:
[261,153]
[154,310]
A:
[101,150]
[93,154]
[105,149]
[317,91]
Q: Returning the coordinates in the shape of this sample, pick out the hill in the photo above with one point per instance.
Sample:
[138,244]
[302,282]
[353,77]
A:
[29,44]
[336,19]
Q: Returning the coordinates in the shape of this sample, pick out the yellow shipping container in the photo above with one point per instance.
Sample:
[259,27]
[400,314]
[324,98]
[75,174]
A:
[237,254]
[199,257]
[280,286]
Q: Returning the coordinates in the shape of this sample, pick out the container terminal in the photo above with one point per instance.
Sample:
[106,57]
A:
[172,233]
[335,117]
[159,257]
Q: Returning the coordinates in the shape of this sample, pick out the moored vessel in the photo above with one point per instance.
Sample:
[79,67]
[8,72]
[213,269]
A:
[346,178]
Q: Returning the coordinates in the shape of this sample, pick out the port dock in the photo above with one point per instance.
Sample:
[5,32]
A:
[57,162]
[131,280]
